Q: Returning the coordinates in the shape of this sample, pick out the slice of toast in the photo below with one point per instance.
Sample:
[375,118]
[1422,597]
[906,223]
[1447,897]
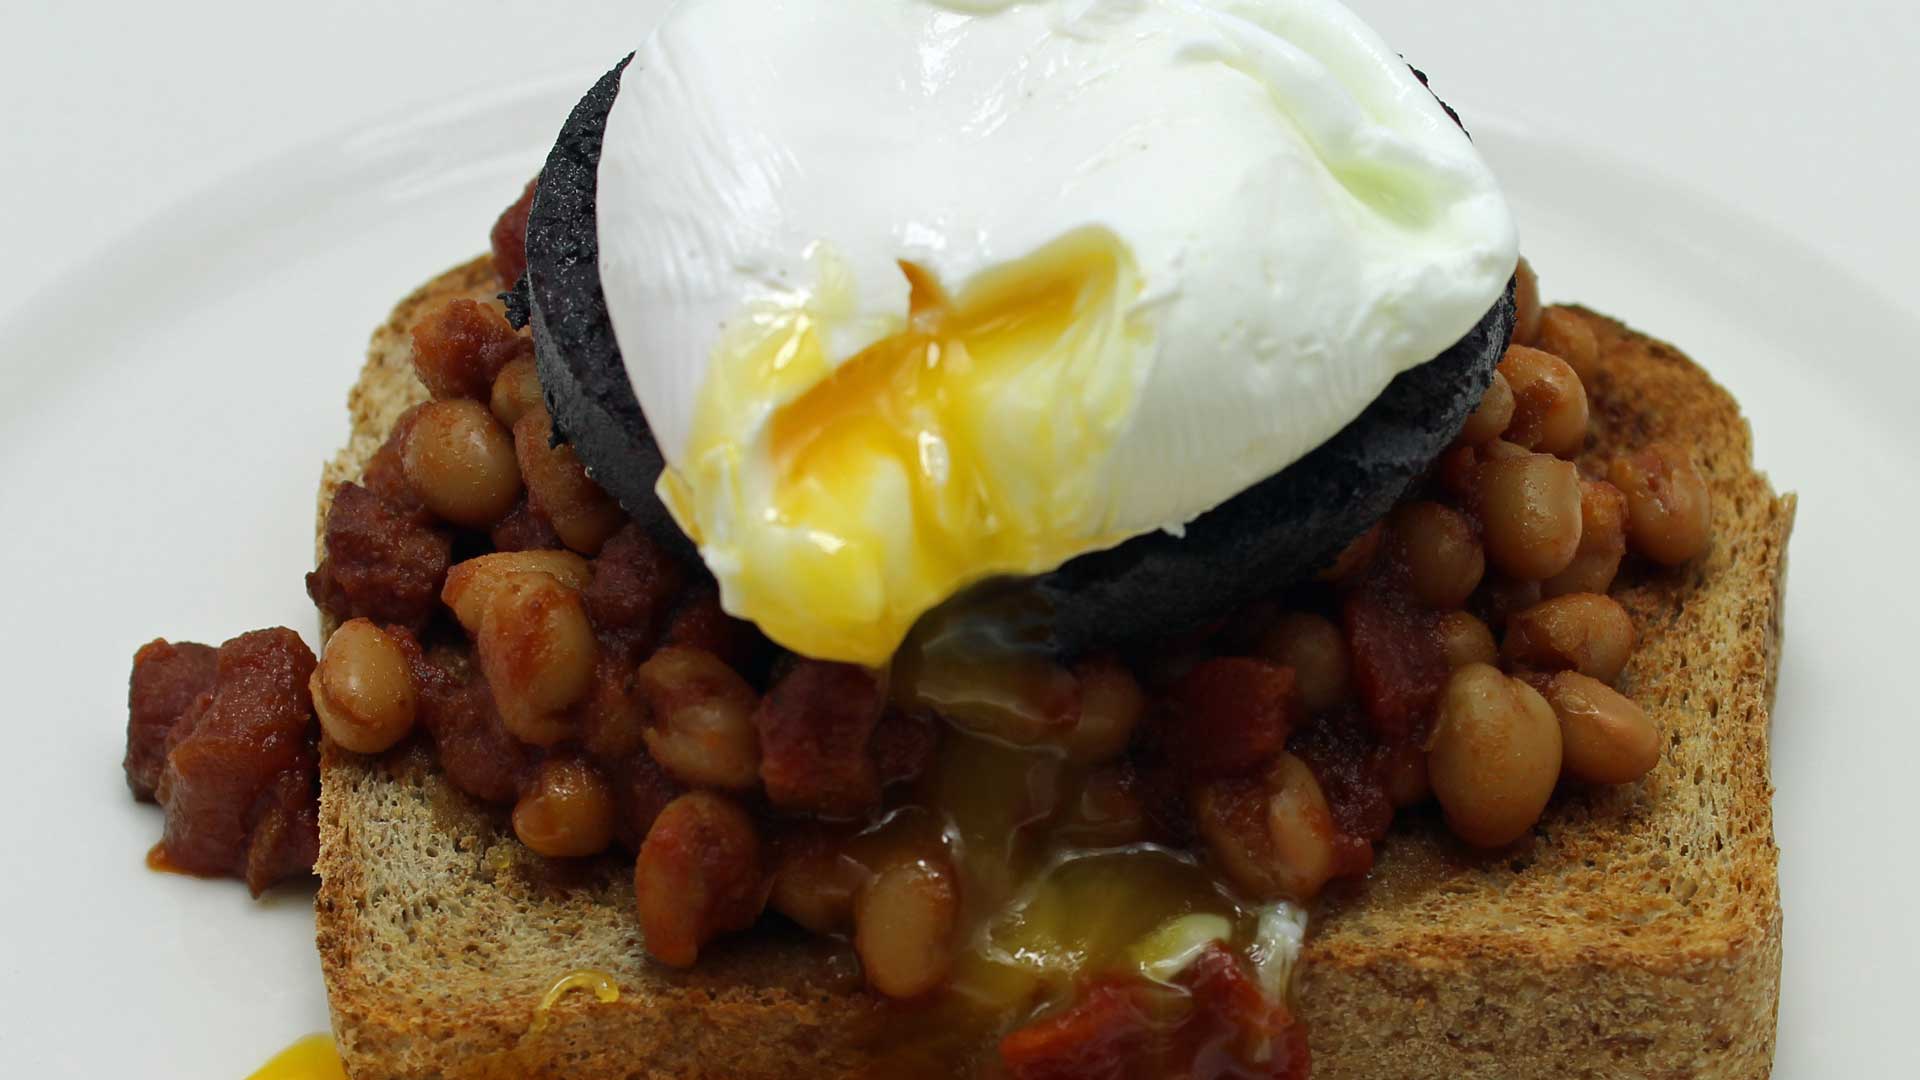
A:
[1637,935]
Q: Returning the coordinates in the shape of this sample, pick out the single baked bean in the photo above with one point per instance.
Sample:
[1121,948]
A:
[702,719]
[1459,468]
[1494,756]
[698,876]
[1491,417]
[459,346]
[559,488]
[1603,542]
[1272,835]
[363,689]
[1111,705]
[537,651]
[567,812]
[470,585]
[1442,555]
[1567,336]
[1530,514]
[516,392]
[1526,323]
[1607,738]
[904,924]
[1466,640]
[1316,651]
[815,881]
[1356,557]
[460,462]
[1586,632]
[1301,827]
[1669,509]
[1549,402]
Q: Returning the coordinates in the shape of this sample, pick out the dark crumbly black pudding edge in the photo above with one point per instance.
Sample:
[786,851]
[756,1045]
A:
[1277,532]
[575,352]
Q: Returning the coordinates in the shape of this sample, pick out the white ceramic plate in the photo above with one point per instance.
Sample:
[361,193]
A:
[160,456]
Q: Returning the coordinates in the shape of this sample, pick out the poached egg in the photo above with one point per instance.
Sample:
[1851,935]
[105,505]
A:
[917,293]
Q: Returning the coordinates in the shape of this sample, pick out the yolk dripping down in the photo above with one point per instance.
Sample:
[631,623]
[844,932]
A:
[837,504]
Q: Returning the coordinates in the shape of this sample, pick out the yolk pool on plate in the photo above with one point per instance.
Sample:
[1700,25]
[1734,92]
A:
[837,504]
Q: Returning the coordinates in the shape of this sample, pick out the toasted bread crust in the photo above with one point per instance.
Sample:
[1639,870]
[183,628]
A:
[1637,934]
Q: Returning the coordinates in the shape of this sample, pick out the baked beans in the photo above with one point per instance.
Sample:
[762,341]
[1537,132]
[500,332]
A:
[1443,557]
[1466,640]
[1271,835]
[363,689]
[559,488]
[1603,542]
[460,462]
[1530,514]
[903,927]
[1313,647]
[815,881]
[1494,756]
[1300,826]
[516,392]
[1607,738]
[1549,402]
[1458,470]
[702,719]
[537,651]
[698,876]
[470,585]
[1669,509]
[459,346]
[1492,416]
[1588,633]
[1567,336]
[567,812]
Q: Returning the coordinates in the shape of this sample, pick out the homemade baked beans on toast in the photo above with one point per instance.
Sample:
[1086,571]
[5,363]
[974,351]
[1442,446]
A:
[1638,930]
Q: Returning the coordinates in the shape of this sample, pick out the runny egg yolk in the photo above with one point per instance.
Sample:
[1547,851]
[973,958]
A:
[312,1058]
[837,503]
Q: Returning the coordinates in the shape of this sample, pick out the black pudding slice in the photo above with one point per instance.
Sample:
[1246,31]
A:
[574,349]
[1276,532]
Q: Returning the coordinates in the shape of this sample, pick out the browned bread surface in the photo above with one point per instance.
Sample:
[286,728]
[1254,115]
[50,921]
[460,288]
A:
[1638,933]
